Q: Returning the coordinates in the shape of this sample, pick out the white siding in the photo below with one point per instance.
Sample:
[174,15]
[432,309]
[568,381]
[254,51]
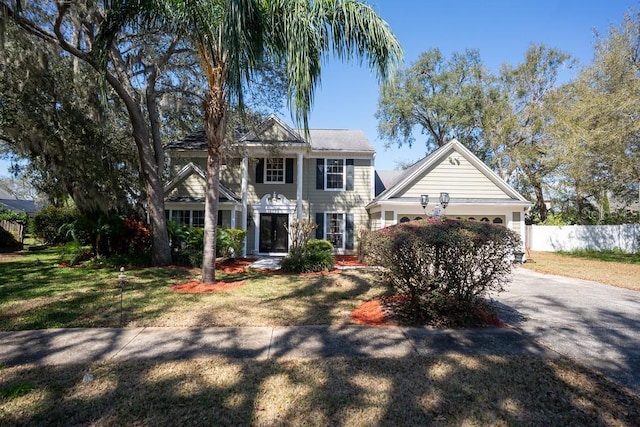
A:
[456,176]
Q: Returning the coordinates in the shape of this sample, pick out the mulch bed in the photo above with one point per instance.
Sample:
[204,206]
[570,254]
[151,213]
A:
[386,312]
[238,266]
[199,288]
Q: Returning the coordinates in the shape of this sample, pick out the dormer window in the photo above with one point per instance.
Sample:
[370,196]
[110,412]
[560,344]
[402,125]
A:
[274,171]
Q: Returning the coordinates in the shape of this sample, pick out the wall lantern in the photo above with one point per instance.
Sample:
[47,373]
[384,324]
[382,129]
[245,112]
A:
[444,200]
[424,201]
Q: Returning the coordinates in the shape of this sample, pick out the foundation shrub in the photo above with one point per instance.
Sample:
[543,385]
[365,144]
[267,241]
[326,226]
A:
[314,256]
[444,268]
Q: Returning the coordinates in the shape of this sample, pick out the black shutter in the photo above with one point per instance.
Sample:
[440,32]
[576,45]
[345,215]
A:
[288,169]
[320,174]
[348,242]
[349,174]
[260,171]
[320,223]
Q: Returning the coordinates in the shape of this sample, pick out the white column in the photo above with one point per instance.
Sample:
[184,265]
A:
[299,187]
[383,214]
[244,186]
[233,216]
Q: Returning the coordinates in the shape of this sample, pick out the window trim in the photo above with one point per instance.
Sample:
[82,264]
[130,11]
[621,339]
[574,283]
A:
[344,175]
[343,227]
[284,170]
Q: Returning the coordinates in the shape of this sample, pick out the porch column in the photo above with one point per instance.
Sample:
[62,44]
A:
[299,187]
[233,216]
[244,185]
[383,215]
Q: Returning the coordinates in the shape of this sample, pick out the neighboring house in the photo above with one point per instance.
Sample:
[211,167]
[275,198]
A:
[278,176]
[9,202]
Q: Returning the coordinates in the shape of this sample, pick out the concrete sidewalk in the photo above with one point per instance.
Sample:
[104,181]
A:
[69,346]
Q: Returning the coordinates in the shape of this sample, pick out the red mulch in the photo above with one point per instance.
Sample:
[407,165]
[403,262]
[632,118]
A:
[348,260]
[234,266]
[198,287]
[379,312]
[376,312]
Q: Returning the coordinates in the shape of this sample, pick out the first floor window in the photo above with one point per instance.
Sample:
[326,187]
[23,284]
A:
[186,217]
[335,229]
[197,219]
[181,217]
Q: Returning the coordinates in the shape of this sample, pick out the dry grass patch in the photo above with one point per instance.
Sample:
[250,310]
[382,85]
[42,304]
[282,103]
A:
[38,295]
[452,390]
[619,274]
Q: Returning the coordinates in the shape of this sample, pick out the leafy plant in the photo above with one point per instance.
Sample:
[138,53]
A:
[316,255]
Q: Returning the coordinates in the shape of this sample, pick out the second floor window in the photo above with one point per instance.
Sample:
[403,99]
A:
[334,174]
[274,171]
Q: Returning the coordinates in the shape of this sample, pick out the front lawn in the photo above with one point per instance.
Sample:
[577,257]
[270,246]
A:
[453,390]
[611,268]
[36,293]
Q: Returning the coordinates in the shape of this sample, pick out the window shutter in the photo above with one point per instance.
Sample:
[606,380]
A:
[320,223]
[348,241]
[288,170]
[349,183]
[260,171]
[320,174]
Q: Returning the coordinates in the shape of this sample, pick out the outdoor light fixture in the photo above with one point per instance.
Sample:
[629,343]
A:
[424,201]
[444,200]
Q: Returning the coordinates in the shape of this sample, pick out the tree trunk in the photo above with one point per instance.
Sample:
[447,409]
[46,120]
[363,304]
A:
[215,129]
[542,206]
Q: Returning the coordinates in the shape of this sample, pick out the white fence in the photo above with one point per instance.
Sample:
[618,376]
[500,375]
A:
[550,238]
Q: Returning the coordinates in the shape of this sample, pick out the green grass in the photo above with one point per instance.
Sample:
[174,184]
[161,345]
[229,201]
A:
[608,256]
[36,293]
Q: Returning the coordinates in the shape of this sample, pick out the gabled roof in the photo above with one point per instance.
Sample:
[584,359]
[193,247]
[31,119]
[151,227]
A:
[287,135]
[5,195]
[339,140]
[319,139]
[386,179]
[190,169]
[405,179]
[28,206]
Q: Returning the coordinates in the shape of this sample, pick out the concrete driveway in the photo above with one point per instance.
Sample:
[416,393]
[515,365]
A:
[595,324]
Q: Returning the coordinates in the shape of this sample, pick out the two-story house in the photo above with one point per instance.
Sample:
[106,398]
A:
[277,174]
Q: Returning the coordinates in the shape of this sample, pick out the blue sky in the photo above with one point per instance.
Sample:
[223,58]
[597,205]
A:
[501,30]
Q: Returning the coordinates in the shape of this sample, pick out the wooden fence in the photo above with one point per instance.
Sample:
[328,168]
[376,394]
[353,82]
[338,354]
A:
[15,228]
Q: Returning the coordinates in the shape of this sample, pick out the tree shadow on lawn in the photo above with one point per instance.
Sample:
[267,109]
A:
[320,295]
[416,390]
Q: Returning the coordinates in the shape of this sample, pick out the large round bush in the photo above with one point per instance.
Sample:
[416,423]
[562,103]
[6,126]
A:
[443,267]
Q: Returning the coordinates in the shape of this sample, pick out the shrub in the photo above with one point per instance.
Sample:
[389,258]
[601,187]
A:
[188,243]
[49,224]
[8,242]
[443,267]
[315,256]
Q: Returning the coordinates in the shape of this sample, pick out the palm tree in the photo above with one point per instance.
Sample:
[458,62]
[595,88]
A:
[232,38]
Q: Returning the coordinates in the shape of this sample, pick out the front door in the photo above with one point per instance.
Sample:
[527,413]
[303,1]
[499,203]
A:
[273,233]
